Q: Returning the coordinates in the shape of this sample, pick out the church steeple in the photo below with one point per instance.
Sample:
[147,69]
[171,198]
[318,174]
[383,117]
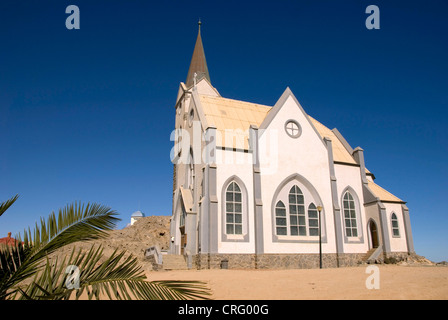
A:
[198,64]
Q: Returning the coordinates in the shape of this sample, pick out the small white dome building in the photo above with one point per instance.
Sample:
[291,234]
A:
[136,215]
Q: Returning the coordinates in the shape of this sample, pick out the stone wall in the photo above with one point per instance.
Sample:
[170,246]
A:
[275,261]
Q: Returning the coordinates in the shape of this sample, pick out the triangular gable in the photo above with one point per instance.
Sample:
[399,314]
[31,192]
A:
[204,86]
[277,107]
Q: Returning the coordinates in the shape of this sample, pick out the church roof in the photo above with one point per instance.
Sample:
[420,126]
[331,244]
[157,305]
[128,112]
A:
[233,116]
[228,114]
[383,194]
[137,214]
[340,153]
[198,64]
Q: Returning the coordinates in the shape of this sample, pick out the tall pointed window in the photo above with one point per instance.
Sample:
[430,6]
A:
[313,222]
[297,223]
[234,209]
[395,229]
[351,229]
[280,219]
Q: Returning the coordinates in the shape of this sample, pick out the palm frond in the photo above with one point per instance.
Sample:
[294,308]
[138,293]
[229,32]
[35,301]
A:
[118,277]
[74,223]
[5,205]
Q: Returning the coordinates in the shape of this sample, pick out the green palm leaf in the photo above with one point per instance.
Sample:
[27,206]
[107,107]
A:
[28,272]
[119,277]
[74,223]
[5,205]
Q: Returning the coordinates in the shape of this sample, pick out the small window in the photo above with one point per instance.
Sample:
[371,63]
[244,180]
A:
[395,229]
[293,129]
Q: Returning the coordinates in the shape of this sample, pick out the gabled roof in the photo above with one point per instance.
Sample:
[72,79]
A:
[198,64]
[228,114]
[234,115]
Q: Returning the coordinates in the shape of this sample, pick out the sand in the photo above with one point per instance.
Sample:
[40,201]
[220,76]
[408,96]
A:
[395,283]
[418,279]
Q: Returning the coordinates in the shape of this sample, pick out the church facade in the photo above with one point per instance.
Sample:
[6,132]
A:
[258,186]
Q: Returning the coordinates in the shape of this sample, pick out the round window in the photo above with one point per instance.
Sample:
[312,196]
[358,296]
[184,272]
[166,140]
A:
[293,128]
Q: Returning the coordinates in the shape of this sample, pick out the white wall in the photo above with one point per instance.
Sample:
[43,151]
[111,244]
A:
[350,177]
[306,156]
[397,244]
[238,164]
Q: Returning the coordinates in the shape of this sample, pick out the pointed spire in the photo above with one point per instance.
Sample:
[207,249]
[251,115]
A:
[198,65]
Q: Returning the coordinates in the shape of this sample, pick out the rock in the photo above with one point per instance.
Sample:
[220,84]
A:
[135,239]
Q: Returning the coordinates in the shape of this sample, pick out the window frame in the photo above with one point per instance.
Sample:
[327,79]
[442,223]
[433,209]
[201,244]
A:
[244,237]
[310,197]
[397,227]
[359,217]
[234,213]
[351,209]
[299,129]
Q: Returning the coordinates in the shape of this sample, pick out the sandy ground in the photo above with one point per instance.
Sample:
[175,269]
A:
[395,283]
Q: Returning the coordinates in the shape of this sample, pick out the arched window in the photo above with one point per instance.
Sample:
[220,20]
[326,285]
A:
[297,223]
[280,219]
[190,171]
[351,229]
[395,229]
[313,222]
[183,216]
[234,209]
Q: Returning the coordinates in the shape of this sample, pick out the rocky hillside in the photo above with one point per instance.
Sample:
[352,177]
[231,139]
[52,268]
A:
[135,239]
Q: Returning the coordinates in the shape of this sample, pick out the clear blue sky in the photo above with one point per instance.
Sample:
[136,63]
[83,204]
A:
[86,115]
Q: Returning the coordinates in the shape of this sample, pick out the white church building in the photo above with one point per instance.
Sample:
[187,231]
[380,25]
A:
[258,186]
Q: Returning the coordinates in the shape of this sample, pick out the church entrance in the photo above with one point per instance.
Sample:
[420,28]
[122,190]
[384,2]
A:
[373,234]
[183,235]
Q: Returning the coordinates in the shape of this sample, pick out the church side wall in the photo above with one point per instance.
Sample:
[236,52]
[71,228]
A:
[349,179]
[397,243]
[235,166]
